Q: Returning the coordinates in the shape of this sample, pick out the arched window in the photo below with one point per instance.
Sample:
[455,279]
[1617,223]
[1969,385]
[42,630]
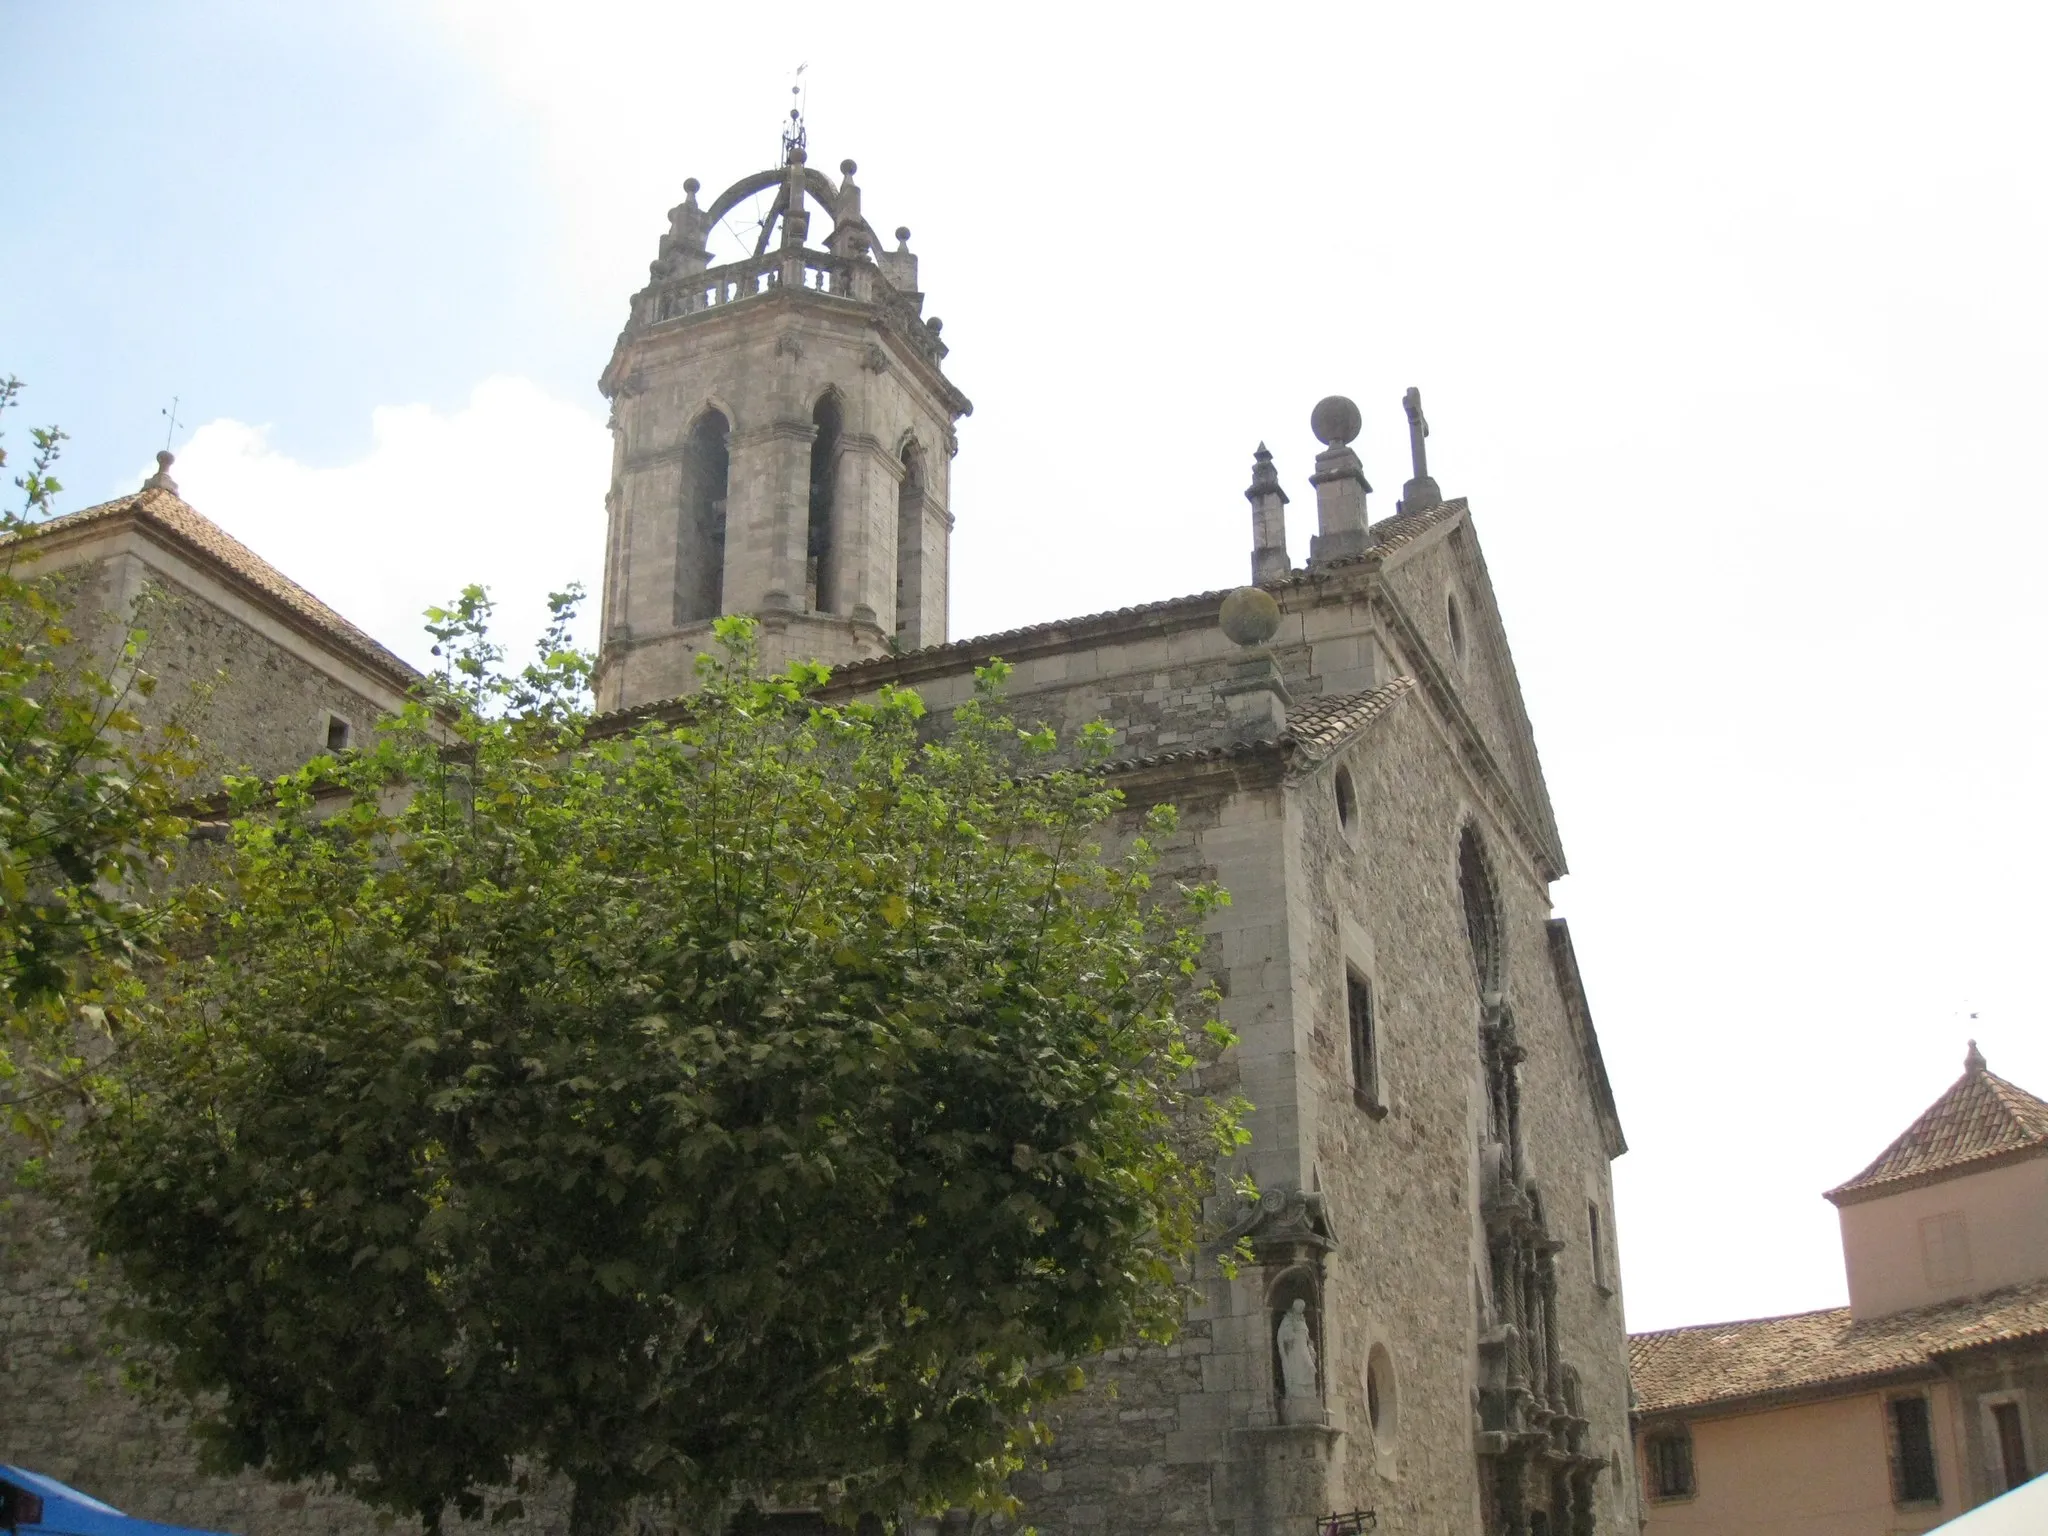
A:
[824,475]
[700,531]
[1482,910]
[910,549]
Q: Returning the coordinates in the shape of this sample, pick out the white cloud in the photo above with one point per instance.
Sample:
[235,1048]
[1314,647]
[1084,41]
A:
[506,492]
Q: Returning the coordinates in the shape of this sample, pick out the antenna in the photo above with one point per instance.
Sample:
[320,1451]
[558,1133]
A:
[799,102]
[171,428]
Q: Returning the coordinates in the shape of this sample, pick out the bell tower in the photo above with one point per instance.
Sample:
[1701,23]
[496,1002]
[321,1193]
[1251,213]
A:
[782,435]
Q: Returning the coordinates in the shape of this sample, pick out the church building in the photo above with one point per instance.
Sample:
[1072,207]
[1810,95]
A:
[1429,1338]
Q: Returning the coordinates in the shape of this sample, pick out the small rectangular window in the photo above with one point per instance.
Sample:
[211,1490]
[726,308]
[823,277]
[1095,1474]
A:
[1912,1448]
[1365,1062]
[1669,1455]
[2012,1442]
[338,733]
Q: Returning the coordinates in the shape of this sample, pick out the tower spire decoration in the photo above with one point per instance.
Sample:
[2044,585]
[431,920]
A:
[793,133]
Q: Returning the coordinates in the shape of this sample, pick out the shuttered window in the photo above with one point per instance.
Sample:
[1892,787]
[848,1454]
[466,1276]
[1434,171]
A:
[1912,1451]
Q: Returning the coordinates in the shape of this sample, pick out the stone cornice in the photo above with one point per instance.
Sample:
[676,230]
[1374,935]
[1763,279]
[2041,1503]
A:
[787,301]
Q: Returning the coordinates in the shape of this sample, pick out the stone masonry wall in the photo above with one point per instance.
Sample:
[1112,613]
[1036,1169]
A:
[65,1412]
[264,708]
[1402,1190]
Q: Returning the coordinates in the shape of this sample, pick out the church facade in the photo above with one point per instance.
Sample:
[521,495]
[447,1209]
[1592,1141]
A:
[1429,1337]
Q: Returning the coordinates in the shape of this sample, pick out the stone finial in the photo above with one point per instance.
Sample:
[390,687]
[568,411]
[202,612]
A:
[161,480]
[1335,421]
[1249,617]
[846,214]
[1254,696]
[1269,520]
[682,249]
[1340,483]
[1974,1060]
[900,265]
[1420,494]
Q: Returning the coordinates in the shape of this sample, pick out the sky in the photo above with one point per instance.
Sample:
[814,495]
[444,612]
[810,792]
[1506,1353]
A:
[1729,321]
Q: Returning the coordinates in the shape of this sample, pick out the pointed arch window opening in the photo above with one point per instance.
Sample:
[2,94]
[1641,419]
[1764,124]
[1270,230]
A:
[910,547]
[700,531]
[1482,910]
[819,552]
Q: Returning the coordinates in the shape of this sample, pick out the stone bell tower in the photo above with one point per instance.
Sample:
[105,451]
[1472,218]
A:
[782,437]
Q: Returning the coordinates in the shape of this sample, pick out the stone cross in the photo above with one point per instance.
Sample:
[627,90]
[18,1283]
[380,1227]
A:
[1418,429]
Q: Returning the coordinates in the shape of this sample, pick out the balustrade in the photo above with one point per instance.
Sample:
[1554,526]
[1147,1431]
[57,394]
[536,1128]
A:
[819,272]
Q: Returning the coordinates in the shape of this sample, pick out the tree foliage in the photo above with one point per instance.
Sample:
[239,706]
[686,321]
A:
[88,813]
[764,1104]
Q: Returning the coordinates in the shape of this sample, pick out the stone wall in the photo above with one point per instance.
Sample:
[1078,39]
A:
[65,1412]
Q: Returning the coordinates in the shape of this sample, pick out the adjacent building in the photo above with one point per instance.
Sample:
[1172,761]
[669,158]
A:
[1924,1397]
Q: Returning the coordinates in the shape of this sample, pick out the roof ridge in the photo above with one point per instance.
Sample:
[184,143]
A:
[1736,1322]
[170,512]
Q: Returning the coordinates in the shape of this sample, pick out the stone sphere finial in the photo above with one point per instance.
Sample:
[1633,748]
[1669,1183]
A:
[1974,1061]
[161,480]
[903,234]
[935,324]
[847,167]
[690,186]
[1335,421]
[1249,616]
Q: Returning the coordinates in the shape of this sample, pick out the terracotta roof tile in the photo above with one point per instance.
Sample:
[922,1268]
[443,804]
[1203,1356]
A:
[1720,1363]
[1318,726]
[1981,1119]
[1315,728]
[166,511]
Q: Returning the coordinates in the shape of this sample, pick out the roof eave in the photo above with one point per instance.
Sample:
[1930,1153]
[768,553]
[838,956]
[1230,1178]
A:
[1858,1192]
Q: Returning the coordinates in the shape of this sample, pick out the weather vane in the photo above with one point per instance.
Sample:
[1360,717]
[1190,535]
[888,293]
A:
[170,413]
[799,99]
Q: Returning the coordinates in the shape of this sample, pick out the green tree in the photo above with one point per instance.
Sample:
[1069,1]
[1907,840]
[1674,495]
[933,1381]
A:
[88,816]
[769,1103]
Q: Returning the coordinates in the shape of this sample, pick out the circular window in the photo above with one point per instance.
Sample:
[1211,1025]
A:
[1382,1401]
[1456,622]
[1347,799]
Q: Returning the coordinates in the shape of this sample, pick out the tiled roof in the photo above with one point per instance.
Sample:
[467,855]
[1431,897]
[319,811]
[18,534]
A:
[165,512]
[1980,1120]
[1722,1363]
[1318,726]
[1315,728]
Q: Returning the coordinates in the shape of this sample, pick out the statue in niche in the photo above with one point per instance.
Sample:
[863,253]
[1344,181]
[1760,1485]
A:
[1297,1357]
